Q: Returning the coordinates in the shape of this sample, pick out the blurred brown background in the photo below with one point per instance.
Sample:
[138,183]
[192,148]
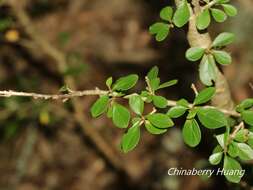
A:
[52,145]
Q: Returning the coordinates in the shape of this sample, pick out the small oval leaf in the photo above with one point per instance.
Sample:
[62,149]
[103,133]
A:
[182,14]
[245,152]
[204,95]
[153,130]
[160,30]
[100,106]
[168,84]
[218,15]
[131,139]
[230,10]
[211,118]
[125,83]
[223,39]
[136,104]
[203,19]
[222,57]
[160,101]
[160,120]
[153,73]
[166,13]
[120,116]
[208,70]
[194,53]
[215,158]
[247,116]
[176,111]
[191,133]
[231,164]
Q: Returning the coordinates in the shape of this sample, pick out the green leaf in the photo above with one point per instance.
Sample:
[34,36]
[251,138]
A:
[250,140]
[136,119]
[222,1]
[120,116]
[208,70]
[160,30]
[125,83]
[204,95]
[109,112]
[247,103]
[192,113]
[217,149]
[242,135]
[211,118]
[230,10]
[166,13]
[215,158]
[153,130]
[220,138]
[131,139]
[230,166]
[247,116]
[136,104]
[109,82]
[100,106]
[154,83]
[160,120]
[223,39]
[146,96]
[244,105]
[176,111]
[233,150]
[153,73]
[159,101]
[194,53]
[182,14]
[203,19]
[222,57]
[218,15]
[183,102]
[168,84]
[191,133]
[245,152]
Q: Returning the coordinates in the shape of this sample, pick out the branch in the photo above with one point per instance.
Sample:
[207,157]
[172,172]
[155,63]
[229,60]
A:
[233,134]
[222,98]
[237,128]
[74,94]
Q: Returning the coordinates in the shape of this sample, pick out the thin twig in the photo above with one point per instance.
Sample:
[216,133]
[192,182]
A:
[74,94]
[149,88]
[237,128]
[10,93]
[233,134]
